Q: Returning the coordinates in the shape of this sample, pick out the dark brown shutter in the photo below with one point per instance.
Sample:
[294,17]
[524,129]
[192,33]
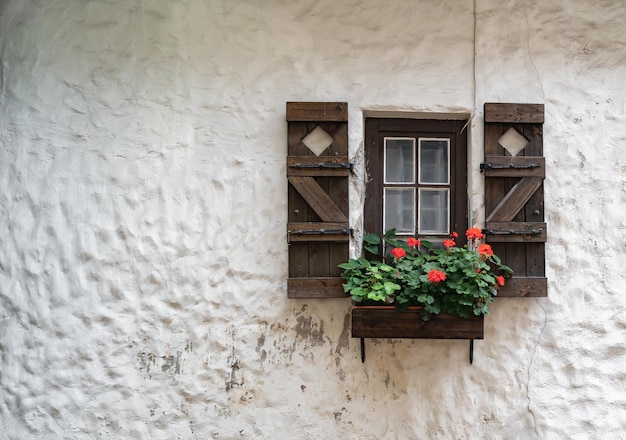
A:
[514,209]
[318,231]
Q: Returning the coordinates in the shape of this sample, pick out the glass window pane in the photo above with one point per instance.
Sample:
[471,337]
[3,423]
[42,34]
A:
[434,156]
[399,210]
[399,160]
[434,210]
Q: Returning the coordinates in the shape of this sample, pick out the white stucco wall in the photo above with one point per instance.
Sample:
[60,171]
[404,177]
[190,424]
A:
[143,256]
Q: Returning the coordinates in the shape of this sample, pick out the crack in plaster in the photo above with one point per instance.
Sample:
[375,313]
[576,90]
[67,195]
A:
[530,54]
[532,356]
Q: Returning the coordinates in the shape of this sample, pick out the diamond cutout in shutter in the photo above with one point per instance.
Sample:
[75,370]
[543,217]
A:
[318,140]
[513,141]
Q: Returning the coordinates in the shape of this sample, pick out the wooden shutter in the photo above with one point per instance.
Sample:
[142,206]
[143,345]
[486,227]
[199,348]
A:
[514,204]
[318,231]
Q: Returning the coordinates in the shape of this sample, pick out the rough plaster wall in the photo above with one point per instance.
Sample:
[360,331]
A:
[143,255]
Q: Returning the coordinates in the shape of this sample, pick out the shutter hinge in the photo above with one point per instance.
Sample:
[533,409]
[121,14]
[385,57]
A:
[331,165]
[507,166]
[533,231]
[346,231]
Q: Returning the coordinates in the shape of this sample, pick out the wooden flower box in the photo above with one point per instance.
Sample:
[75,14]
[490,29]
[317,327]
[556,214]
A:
[387,322]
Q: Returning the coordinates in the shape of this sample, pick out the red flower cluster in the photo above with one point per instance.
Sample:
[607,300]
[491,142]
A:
[474,234]
[500,280]
[413,242]
[398,252]
[485,249]
[435,276]
[448,243]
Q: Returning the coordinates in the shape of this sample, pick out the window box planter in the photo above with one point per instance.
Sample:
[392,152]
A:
[387,322]
[456,281]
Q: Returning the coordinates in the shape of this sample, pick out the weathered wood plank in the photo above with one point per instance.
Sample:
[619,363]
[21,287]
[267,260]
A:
[317,199]
[524,287]
[337,253]
[494,187]
[315,238]
[296,131]
[514,113]
[298,212]
[386,322]
[535,259]
[317,111]
[319,263]
[320,287]
[534,134]
[515,199]
[299,259]
[339,133]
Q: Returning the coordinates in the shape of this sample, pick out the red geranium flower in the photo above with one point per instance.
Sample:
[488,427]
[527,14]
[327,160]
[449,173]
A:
[435,276]
[449,243]
[485,249]
[398,252]
[474,233]
[454,234]
[413,242]
[500,280]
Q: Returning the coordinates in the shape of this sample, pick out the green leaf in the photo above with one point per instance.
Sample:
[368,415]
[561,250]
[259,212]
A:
[364,262]
[376,296]
[372,249]
[390,234]
[426,244]
[398,243]
[391,287]
[372,239]
[371,243]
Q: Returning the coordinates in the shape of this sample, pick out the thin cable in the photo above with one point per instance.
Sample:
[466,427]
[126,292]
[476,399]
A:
[474,66]
[473,113]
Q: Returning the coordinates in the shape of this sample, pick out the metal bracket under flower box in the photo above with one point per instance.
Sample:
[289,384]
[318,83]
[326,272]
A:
[387,322]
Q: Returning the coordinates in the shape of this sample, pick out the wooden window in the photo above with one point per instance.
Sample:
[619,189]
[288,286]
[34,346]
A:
[417,177]
[417,184]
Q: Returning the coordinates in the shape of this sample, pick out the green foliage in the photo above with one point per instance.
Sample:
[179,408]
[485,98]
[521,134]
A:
[456,280]
[371,243]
